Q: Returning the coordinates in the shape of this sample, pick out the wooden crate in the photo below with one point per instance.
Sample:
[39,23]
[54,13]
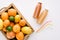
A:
[13,6]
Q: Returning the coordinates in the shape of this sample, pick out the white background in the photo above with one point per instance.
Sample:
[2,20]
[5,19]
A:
[27,7]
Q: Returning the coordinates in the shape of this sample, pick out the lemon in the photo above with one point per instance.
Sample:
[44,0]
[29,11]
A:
[26,30]
[17,18]
[1,24]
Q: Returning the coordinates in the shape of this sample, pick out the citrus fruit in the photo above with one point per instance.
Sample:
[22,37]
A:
[11,18]
[22,22]
[11,24]
[9,28]
[20,36]
[6,23]
[12,12]
[1,24]
[26,30]
[17,18]
[16,28]
[4,29]
[4,16]
[10,35]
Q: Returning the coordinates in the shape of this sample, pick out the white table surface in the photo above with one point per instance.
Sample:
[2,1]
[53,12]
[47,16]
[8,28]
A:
[27,7]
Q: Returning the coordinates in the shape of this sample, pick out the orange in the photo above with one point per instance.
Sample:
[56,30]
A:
[4,16]
[22,22]
[4,29]
[20,36]
[11,24]
[10,35]
[12,12]
[16,28]
[6,23]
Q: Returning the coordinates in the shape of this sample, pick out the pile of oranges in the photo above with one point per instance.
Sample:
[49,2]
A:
[14,25]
